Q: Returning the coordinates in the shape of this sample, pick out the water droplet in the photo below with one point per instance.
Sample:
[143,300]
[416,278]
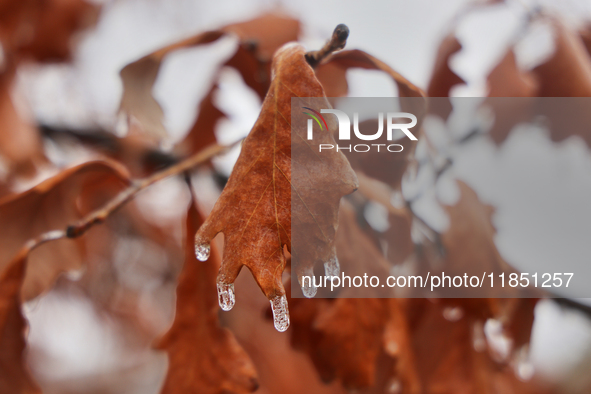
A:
[202,252]
[332,267]
[280,313]
[226,297]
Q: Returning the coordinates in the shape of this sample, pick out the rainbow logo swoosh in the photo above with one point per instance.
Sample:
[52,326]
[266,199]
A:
[315,116]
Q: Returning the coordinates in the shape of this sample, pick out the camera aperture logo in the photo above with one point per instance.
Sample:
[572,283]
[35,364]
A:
[345,130]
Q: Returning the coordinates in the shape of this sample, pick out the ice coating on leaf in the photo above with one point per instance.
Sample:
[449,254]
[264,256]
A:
[226,297]
[202,252]
[332,267]
[280,313]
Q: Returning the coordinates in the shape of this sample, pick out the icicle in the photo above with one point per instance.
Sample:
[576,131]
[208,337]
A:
[226,297]
[202,252]
[280,313]
[309,290]
[307,283]
[332,267]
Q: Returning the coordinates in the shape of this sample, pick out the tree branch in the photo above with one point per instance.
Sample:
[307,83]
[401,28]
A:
[98,216]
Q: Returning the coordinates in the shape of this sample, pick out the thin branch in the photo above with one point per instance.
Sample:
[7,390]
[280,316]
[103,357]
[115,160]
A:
[126,195]
[336,43]
[108,143]
[42,238]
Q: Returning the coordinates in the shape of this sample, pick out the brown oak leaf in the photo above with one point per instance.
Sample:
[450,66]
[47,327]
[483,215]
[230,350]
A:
[507,80]
[56,27]
[453,356]
[568,71]
[202,132]
[16,18]
[53,205]
[348,338]
[15,377]
[470,236]
[470,248]
[137,103]
[20,143]
[414,102]
[255,209]
[443,78]
[203,357]
[259,38]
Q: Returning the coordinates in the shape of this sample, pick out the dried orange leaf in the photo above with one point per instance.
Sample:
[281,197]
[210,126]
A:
[443,78]
[568,72]
[374,165]
[202,132]
[345,338]
[203,357]
[255,209]
[506,80]
[470,236]
[359,59]
[260,38]
[56,26]
[20,143]
[15,16]
[137,102]
[15,377]
[53,205]
[586,37]
[452,355]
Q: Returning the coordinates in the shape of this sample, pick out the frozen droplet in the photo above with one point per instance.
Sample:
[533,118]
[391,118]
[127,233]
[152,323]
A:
[226,297]
[309,290]
[453,314]
[332,267]
[306,279]
[202,252]
[280,313]
[394,386]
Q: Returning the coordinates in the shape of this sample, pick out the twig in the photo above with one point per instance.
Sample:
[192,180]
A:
[336,42]
[42,238]
[150,158]
[99,215]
